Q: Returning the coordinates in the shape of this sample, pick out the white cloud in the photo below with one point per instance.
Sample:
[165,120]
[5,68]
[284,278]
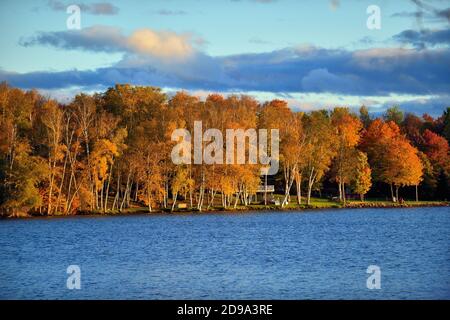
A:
[159,44]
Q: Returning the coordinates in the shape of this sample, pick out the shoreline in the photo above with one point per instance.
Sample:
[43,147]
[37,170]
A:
[138,211]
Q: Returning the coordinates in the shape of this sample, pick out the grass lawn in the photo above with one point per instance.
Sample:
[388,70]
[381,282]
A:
[316,203]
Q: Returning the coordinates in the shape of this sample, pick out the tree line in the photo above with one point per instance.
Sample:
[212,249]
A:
[111,150]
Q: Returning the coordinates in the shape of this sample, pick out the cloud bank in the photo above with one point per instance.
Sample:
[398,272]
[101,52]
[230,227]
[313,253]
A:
[169,59]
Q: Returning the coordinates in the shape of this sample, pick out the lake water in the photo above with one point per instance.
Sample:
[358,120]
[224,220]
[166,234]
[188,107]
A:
[273,255]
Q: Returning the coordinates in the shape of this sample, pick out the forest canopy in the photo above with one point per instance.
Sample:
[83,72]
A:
[111,150]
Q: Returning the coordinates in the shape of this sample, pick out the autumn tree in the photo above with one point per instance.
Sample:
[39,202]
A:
[412,127]
[392,158]
[364,116]
[394,114]
[446,124]
[277,115]
[20,186]
[21,170]
[363,175]
[52,119]
[319,148]
[437,149]
[181,184]
[347,135]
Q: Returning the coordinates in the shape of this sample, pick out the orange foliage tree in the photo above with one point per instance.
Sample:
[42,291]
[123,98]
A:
[392,157]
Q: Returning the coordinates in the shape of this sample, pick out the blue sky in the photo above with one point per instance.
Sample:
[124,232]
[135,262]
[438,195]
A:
[314,54]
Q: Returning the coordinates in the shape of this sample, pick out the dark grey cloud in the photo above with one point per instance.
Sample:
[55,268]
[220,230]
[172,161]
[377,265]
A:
[99,8]
[424,38]
[96,39]
[444,14]
[102,77]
